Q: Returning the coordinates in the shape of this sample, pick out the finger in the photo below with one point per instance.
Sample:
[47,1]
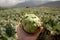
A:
[40,27]
[41,24]
[20,32]
[39,31]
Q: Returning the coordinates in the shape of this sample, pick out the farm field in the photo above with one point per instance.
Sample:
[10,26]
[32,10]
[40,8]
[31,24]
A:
[10,17]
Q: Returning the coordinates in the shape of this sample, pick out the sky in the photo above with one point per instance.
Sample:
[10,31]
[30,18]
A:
[14,2]
[10,2]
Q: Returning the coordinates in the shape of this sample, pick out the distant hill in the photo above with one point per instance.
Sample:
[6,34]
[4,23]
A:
[25,4]
[38,4]
[52,4]
[30,4]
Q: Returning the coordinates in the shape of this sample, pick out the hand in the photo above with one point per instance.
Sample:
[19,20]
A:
[22,35]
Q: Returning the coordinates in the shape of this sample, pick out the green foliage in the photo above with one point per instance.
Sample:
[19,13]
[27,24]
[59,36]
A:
[51,24]
[9,30]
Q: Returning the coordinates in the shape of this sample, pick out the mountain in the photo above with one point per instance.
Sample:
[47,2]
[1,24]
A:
[27,3]
[39,4]
[51,4]
[30,3]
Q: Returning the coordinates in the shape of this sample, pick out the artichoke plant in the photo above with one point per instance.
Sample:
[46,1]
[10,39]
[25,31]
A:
[7,32]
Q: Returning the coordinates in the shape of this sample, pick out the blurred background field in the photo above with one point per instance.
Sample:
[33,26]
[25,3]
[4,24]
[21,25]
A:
[48,15]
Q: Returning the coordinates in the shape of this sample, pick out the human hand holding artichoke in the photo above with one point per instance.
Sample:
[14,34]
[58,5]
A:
[33,32]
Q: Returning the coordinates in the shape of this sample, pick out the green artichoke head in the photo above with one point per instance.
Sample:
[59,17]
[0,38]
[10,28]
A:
[30,23]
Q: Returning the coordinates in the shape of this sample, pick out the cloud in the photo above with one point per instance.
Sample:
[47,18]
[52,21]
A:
[5,3]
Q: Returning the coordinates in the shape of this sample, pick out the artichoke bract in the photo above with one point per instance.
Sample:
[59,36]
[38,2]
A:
[30,23]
